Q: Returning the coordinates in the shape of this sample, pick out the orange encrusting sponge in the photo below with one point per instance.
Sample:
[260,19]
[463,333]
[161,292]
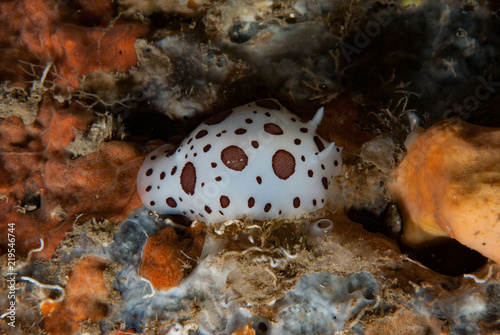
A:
[167,257]
[449,185]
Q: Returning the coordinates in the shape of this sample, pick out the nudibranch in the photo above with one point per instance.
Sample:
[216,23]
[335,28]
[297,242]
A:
[257,160]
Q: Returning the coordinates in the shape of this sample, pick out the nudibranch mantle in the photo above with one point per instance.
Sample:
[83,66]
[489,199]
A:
[257,160]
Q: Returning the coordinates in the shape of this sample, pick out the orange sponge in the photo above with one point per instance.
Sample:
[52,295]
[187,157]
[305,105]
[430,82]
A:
[167,258]
[45,188]
[246,330]
[42,31]
[449,185]
[87,299]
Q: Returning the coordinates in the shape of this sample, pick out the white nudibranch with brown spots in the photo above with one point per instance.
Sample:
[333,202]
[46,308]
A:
[257,160]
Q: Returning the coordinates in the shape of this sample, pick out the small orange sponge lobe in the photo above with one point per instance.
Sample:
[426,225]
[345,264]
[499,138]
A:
[87,299]
[168,258]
